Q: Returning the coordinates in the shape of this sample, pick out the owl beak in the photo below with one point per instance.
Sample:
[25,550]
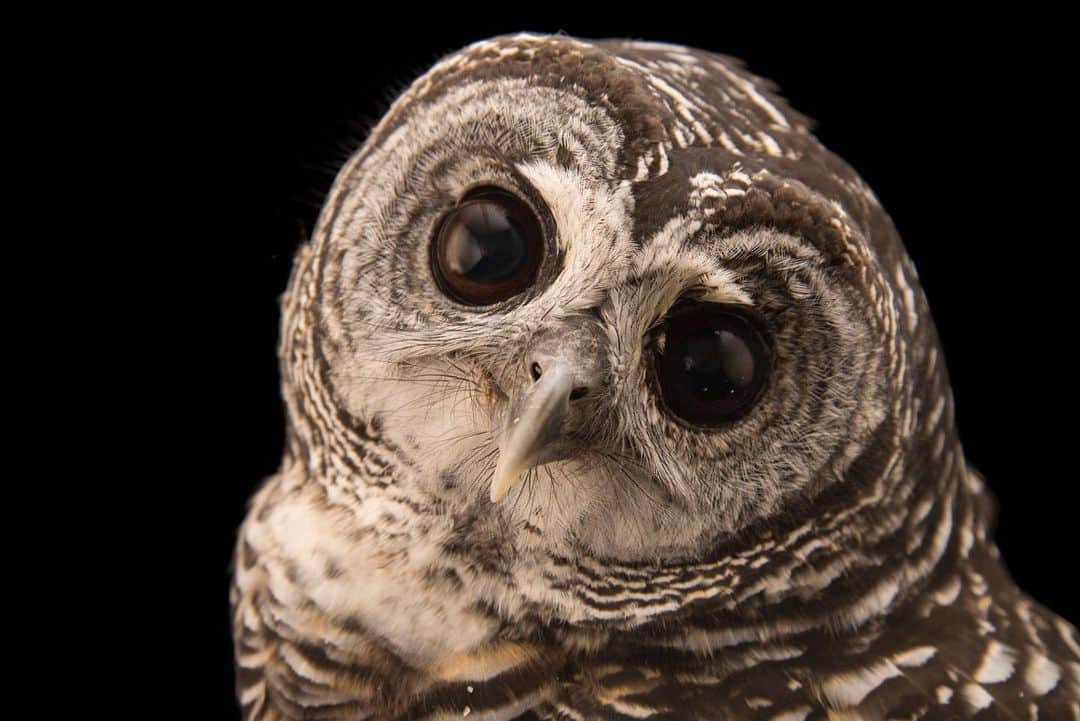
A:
[534,423]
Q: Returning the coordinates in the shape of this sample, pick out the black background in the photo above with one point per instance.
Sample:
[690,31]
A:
[961,128]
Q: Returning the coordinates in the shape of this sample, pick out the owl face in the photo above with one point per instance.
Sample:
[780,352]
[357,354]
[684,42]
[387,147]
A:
[568,332]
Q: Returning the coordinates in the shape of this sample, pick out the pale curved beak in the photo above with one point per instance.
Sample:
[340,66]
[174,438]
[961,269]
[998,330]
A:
[534,421]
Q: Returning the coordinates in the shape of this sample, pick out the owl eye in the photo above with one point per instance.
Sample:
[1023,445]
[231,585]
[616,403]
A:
[487,249]
[713,363]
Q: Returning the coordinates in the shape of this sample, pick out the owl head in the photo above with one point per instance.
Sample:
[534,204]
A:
[607,299]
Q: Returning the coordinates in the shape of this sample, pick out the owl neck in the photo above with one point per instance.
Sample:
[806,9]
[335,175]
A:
[860,554]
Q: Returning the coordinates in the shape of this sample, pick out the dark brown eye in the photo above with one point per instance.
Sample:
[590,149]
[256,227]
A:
[713,364]
[487,249]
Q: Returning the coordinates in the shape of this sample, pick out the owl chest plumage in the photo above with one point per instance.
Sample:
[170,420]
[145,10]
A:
[824,557]
[457,639]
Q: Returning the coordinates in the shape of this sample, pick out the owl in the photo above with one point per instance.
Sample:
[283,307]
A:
[612,394]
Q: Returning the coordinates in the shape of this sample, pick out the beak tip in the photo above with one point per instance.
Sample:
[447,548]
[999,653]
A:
[504,480]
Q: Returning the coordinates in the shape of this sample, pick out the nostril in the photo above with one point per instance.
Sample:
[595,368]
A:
[578,392]
[535,371]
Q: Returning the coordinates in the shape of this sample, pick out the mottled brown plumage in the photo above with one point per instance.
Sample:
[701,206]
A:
[824,556]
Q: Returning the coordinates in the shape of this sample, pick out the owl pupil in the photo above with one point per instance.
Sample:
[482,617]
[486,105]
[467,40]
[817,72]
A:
[486,245]
[717,363]
[487,249]
[713,365]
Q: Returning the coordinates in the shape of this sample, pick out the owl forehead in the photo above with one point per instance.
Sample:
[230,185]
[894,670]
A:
[680,124]
[664,97]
